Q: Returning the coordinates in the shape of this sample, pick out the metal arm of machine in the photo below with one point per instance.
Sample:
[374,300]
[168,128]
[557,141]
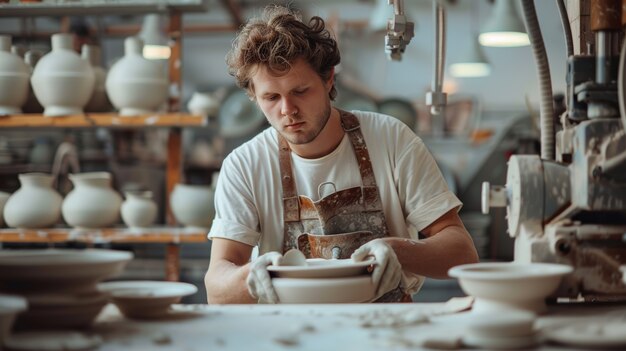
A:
[436,98]
[400,31]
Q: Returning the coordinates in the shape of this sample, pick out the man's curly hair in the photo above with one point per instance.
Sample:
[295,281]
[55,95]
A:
[278,38]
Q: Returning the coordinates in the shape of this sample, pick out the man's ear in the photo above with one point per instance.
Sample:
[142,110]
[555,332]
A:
[331,78]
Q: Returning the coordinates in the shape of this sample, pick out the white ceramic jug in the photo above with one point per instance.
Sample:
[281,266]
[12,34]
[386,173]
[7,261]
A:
[99,101]
[192,205]
[32,105]
[3,200]
[139,210]
[14,76]
[92,203]
[135,85]
[35,204]
[62,81]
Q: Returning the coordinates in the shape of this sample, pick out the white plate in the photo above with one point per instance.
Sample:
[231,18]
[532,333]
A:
[325,290]
[595,334]
[146,299]
[320,268]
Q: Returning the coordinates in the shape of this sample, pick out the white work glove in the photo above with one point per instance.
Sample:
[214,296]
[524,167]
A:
[259,282]
[387,272]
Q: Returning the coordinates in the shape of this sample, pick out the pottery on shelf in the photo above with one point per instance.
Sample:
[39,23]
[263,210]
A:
[204,104]
[192,205]
[99,100]
[14,76]
[62,80]
[35,204]
[32,105]
[139,210]
[136,85]
[92,203]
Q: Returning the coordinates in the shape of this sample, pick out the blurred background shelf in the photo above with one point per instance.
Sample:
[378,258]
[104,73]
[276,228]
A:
[98,7]
[102,120]
[105,235]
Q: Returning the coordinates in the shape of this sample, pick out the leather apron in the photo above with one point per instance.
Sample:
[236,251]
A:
[337,224]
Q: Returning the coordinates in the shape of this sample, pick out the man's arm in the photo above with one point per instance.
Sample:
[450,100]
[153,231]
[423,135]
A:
[225,280]
[447,244]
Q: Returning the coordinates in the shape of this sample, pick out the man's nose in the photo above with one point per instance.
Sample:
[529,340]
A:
[287,108]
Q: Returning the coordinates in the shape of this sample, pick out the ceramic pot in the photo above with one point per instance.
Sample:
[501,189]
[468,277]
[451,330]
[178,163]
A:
[92,203]
[14,76]
[192,205]
[35,204]
[3,199]
[99,101]
[139,210]
[135,85]
[62,81]
[203,104]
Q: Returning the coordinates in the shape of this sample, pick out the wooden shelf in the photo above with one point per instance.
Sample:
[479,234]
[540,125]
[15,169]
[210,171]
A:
[167,235]
[111,120]
[99,7]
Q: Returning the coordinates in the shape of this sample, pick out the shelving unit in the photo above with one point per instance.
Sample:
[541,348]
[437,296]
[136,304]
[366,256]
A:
[174,121]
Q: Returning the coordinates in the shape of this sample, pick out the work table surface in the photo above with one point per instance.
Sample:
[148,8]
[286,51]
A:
[313,327]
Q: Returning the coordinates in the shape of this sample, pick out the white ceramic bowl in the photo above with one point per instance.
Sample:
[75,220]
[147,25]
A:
[58,270]
[61,311]
[140,299]
[321,268]
[10,306]
[509,285]
[324,290]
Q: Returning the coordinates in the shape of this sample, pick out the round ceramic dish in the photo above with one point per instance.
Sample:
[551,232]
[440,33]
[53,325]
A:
[146,299]
[509,285]
[324,290]
[58,270]
[320,268]
[61,311]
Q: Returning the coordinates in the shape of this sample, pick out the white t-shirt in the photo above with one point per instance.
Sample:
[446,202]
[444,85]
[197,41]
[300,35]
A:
[248,197]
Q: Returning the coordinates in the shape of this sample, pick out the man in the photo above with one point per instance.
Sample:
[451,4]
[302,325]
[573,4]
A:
[331,183]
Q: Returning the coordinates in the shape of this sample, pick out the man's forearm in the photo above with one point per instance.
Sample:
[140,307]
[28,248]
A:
[433,256]
[225,283]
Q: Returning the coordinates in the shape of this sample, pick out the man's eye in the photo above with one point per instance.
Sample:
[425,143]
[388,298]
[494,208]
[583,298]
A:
[271,98]
[300,92]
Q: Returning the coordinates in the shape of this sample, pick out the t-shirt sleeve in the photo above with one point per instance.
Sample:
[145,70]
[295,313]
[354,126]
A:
[422,187]
[236,217]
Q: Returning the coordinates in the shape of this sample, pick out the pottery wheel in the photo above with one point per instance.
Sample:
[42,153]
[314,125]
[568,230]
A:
[52,341]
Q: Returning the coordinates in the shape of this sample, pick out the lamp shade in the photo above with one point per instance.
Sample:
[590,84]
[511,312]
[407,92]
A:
[473,64]
[155,43]
[504,28]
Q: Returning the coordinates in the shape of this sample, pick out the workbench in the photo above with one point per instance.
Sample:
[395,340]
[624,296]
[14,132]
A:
[344,327]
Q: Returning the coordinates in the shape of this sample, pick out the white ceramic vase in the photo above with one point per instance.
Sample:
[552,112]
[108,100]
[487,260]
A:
[32,105]
[3,200]
[14,76]
[135,85]
[139,210]
[62,80]
[99,101]
[192,205]
[35,204]
[92,203]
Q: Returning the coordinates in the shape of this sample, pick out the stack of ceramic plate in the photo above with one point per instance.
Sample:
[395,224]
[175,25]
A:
[59,284]
[324,281]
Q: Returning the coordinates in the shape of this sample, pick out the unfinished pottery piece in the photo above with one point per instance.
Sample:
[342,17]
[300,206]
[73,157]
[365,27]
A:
[10,306]
[136,85]
[61,311]
[3,200]
[321,268]
[61,80]
[499,286]
[58,270]
[92,203]
[52,341]
[99,100]
[192,205]
[35,204]
[14,77]
[146,299]
[593,335]
[324,290]
[139,210]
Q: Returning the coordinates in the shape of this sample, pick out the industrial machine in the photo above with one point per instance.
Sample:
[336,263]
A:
[569,205]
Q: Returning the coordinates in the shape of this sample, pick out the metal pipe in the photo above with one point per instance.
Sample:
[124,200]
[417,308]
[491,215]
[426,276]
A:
[438,100]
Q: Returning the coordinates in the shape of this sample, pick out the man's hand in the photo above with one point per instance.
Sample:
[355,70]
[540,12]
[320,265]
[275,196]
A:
[388,271]
[259,282]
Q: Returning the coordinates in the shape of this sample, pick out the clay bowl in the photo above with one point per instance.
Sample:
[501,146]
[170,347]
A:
[146,299]
[61,311]
[324,290]
[499,286]
[321,268]
[58,270]
[10,306]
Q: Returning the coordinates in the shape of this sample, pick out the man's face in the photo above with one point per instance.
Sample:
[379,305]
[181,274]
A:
[296,104]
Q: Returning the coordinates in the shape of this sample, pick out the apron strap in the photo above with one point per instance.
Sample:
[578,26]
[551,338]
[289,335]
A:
[351,126]
[291,204]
